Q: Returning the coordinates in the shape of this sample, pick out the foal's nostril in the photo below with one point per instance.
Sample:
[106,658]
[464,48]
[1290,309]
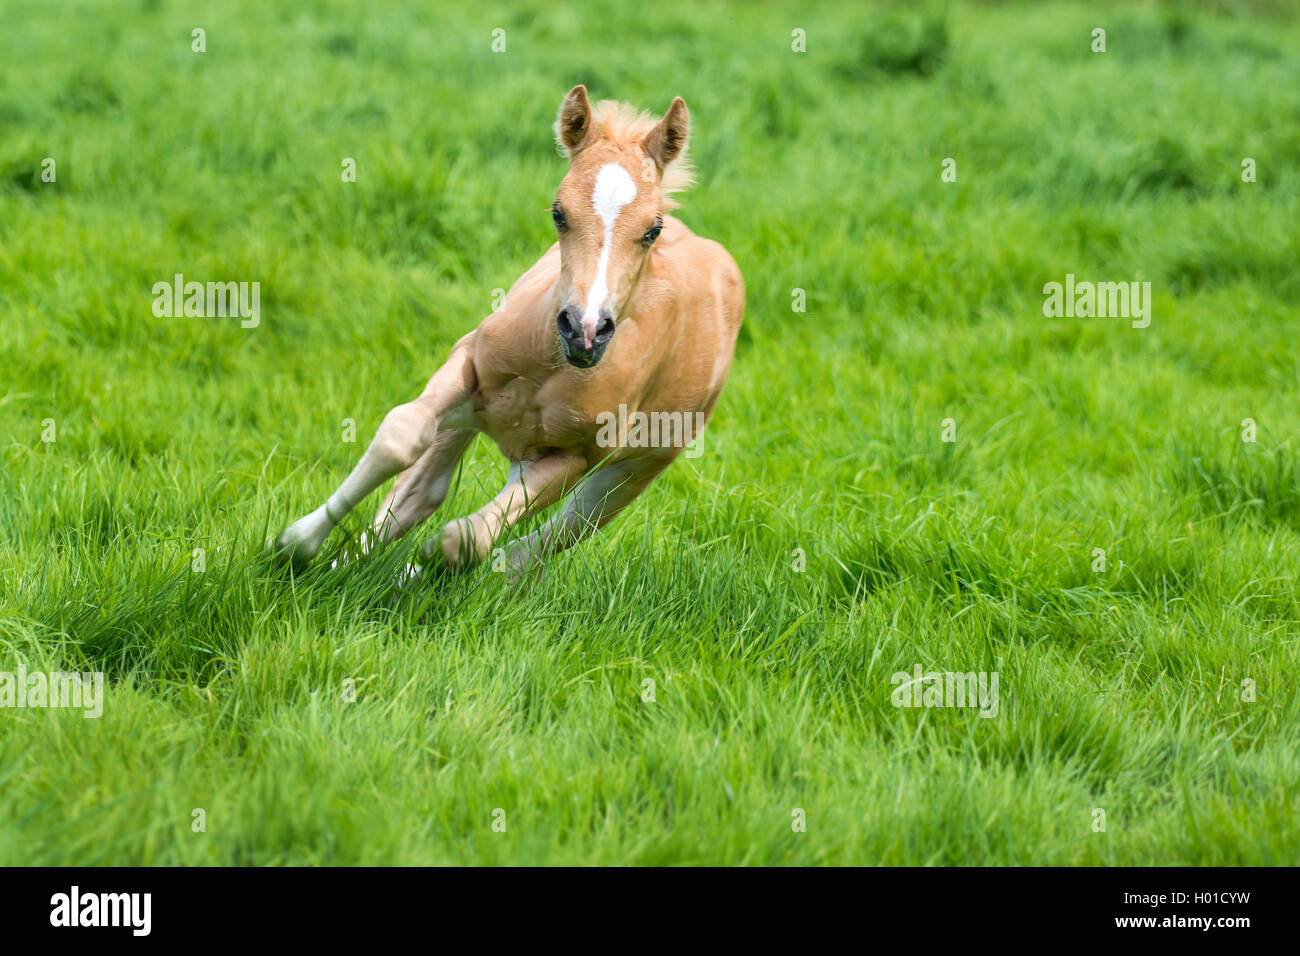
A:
[605,330]
[569,323]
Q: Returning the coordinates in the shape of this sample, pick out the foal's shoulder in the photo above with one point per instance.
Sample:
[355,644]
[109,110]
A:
[703,256]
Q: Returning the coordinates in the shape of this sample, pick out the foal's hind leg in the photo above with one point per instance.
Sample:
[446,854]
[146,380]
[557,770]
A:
[422,487]
[406,432]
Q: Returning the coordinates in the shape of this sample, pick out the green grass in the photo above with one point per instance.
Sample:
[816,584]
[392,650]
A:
[1121,689]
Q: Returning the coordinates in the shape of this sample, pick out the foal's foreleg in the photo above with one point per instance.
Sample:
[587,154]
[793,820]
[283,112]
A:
[591,505]
[531,486]
[406,432]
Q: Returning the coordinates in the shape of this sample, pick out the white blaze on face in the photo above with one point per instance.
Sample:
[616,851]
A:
[614,189]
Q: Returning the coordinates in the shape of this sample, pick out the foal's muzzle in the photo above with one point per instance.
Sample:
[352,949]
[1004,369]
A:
[574,342]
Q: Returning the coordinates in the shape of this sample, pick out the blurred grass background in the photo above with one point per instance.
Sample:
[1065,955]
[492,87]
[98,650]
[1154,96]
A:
[819,171]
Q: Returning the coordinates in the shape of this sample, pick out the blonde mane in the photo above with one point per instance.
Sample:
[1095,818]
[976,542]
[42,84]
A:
[624,125]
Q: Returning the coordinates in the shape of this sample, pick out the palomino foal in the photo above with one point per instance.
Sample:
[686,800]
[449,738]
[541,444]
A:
[628,308]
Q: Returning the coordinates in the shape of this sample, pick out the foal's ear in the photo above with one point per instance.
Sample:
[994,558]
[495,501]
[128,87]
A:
[573,125]
[667,140]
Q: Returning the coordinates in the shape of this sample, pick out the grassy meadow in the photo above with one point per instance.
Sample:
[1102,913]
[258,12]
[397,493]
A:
[1106,530]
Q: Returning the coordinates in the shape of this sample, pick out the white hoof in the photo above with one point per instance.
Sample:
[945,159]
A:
[302,540]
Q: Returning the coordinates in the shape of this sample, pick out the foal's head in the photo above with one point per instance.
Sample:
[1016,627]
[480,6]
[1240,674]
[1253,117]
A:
[609,210]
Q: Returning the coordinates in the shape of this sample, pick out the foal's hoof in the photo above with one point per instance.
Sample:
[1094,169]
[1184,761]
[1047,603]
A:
[285,550]
[302,540]
[431,554]
[409,577]
[433,564]
[523,575]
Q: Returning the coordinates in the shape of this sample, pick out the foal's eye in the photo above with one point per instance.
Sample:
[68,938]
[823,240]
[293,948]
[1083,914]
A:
[652,233]
[558,215]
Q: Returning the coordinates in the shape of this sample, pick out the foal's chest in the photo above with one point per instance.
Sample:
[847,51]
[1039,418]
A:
[527,419]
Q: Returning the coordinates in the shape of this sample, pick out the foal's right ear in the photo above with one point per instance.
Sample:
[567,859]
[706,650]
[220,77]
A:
[573,125]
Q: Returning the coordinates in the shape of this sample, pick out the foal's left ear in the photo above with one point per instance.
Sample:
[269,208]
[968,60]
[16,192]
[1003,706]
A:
[667,140]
